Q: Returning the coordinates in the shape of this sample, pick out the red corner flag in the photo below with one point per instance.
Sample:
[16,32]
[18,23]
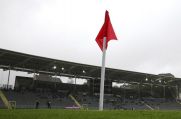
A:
[106,31]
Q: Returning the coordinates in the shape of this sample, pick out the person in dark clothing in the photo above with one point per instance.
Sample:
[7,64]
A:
[49,104]
[37,104]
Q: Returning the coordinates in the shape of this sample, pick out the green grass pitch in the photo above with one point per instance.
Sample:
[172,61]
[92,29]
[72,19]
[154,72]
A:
[86,114]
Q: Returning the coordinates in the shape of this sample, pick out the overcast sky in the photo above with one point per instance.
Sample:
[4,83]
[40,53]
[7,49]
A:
[148,32]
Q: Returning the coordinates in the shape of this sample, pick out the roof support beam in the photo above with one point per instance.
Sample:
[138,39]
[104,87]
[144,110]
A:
[23,62]
[48,66]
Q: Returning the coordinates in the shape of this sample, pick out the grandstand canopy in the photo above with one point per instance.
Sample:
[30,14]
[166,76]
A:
[36,64]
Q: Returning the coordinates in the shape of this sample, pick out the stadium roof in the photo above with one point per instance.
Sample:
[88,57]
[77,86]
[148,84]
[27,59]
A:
[36,64]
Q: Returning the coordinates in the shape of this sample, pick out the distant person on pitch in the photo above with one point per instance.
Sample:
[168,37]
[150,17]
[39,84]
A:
[37,104]
[49,104]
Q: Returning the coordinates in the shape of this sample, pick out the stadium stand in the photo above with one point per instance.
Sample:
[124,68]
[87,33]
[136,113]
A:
[28,90]
[133,90]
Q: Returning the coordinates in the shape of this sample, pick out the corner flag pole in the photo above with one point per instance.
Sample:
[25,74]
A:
[101,99]
[104,36]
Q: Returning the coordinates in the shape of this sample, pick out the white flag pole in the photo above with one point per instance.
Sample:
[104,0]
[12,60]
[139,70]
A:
[101,99]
